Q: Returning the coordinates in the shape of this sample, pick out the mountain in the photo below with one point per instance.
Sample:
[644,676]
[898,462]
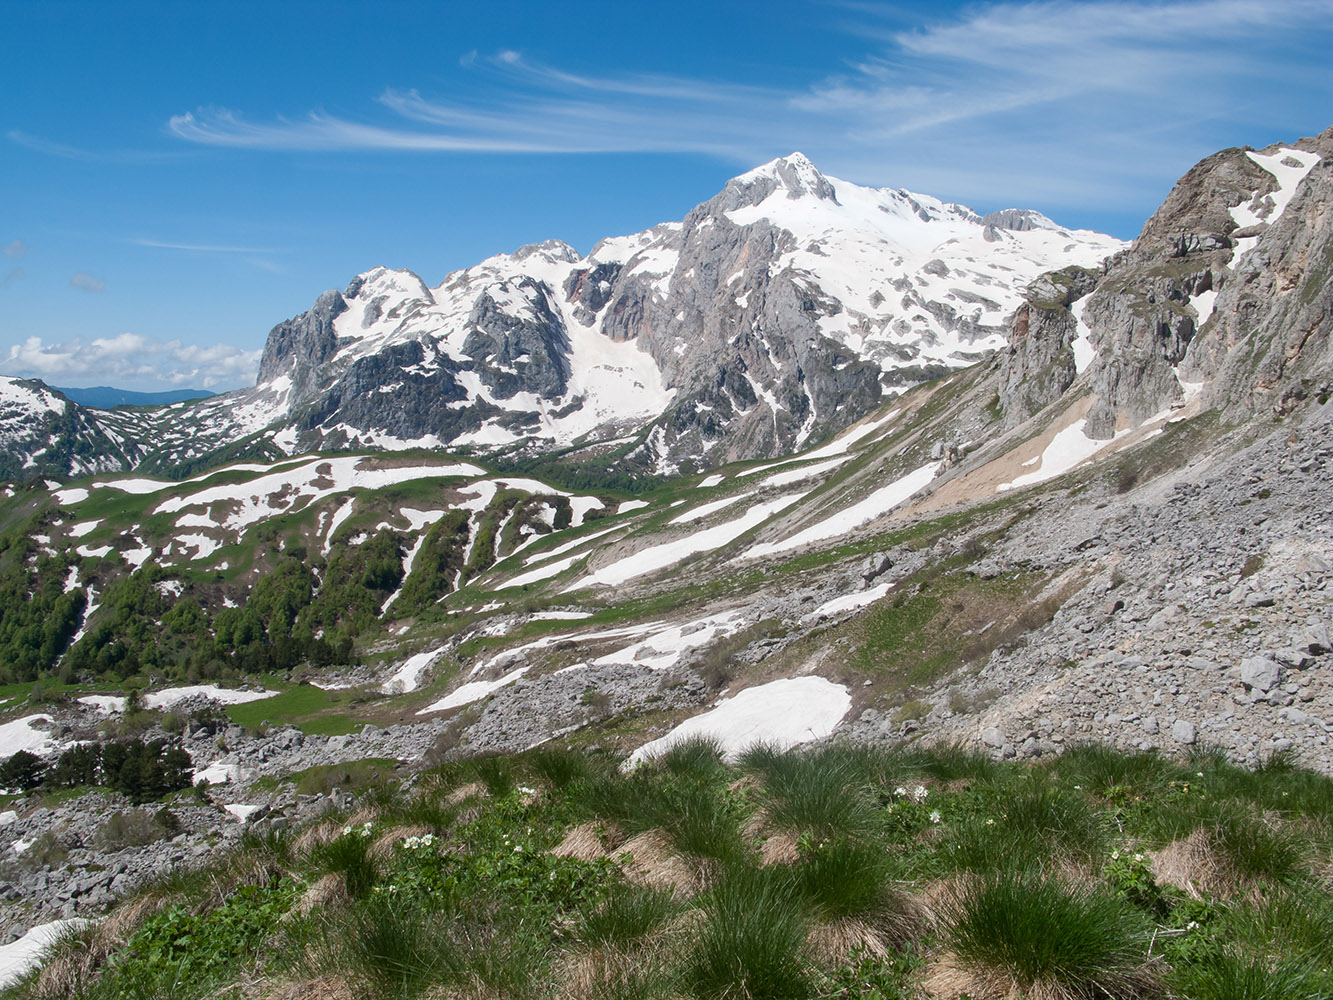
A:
[105,397]
[1111,528]
[775,314]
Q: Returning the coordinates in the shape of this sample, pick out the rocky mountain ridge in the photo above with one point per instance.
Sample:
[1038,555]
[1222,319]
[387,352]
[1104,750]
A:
[775,314]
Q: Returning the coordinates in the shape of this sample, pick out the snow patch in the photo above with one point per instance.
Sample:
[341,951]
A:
[875,505]
[660,556]
[472,691]
[19,956]
[22,734]
[408,676]
[784,713]
[165,699]
[1067,449]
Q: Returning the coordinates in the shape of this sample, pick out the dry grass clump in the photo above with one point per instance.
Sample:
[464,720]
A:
[383,846]
[317,835]
[650,859]
[588,841]
[323,988]
[1191,865]
[1234,856]
[326,891]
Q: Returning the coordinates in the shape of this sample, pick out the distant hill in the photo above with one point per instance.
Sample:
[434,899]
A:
[104,396]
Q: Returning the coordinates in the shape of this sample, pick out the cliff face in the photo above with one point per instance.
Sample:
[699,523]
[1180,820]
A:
[1225,293]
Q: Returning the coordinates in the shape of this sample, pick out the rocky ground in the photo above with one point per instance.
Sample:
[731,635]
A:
[1204,619]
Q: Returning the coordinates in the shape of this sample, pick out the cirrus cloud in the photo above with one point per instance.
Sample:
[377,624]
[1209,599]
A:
[1057,102]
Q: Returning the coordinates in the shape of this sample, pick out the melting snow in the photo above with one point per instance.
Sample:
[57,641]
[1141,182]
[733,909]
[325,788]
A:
[660,556]
[408,675]
[225,696]
[785,713]
[662,649]
[218,773]
[705,509]
[472,691]
[104,704]
[712,480]
[1084,352]
[19,956]
[630,505]
[876,504]
[544,572]
[1067,449]
[21,734]
[848,602]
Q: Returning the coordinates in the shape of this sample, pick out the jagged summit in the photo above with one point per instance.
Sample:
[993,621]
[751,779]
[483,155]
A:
[795,175]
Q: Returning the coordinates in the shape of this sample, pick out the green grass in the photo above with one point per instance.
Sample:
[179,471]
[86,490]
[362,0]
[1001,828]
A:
[1040,875]
[1037,933]
[305,705]
[752,942]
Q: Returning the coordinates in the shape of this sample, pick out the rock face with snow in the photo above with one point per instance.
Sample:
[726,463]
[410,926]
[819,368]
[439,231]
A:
[775,314]
[42,432]
[1234,253]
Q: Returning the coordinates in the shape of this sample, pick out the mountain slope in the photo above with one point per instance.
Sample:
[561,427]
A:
[775,314]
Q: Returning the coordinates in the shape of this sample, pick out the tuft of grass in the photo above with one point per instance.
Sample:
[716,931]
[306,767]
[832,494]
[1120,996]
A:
[702,823]
[752,941]
[1036,935]
[1254,849]
[1100,768]
[349,856]
[499,774]
[396,948]
[625,916]
[696,758]
[847,878]
[1035,826]
[1229,977]
[822,791]
[955,762]
[560,767]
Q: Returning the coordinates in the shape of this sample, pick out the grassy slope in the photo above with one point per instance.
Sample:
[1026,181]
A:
[828,872]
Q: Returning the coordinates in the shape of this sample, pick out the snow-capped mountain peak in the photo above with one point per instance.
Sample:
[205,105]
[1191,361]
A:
[776,313]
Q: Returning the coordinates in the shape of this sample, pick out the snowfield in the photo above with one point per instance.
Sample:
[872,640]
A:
[782,713]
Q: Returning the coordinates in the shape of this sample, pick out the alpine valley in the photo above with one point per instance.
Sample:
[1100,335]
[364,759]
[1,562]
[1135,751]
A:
[818,461]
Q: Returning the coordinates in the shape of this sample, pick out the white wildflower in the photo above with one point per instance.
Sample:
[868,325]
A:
[935,816]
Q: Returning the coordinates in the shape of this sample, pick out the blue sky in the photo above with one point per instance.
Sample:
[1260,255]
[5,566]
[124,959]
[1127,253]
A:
[178,177]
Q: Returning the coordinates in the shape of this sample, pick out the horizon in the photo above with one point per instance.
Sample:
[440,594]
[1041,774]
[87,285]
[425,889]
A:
[167,209]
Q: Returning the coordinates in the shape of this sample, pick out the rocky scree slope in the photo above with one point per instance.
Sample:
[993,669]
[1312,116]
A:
[775,314]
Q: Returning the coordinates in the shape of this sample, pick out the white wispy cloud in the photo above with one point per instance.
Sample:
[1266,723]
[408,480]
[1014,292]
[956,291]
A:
[66,151]
[200,247]
[1054,101]
[16,249]
[85,282]
[133,360]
